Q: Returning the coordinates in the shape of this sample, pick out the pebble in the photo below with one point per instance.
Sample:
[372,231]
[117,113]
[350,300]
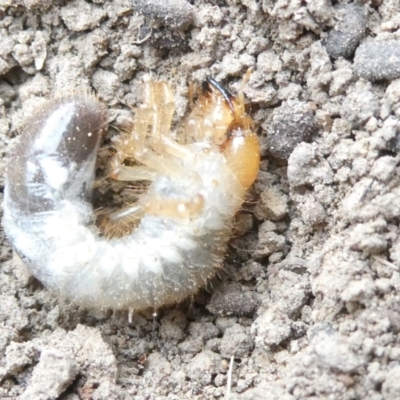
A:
[359,106]
[332,349]
[53,374]
[344,38]
[173,13]
[272,205]
[236,341]
[271,328]
[80,16]
[292,123]
[307,166]
[377,61]
[231,300]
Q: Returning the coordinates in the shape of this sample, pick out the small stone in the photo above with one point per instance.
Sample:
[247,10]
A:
[312,212]
[271,328]
[51,376]
[367,237]
[107,85]
[93,47]
[290,290]
[376,61]
[194,346]
[203,366]
[332,348]
[307,166]
[359,291]
[174,13]
[203,330]
[341,79]
[231,300]
[236,342]
[320,73]
[348,32]
[268,63]
[157,365]
[292,123]
[384,168]
[392,98]
[321,10]
[272,205]
[67,72]
[19,355]
[11,315]
[173,325]
[220,380]
[6,48]
[22,54]
[268,243]
[78,15]
[359,106]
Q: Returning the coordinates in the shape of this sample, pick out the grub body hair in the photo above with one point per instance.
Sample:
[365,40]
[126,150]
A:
[49,220]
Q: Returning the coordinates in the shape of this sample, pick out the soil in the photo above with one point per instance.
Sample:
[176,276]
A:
[308,303]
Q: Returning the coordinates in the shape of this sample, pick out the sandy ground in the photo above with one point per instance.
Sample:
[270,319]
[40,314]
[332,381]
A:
[308,304]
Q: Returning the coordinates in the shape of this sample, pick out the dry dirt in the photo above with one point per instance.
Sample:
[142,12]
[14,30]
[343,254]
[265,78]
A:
[309,302]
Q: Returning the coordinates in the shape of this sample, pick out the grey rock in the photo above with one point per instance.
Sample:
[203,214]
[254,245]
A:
[292,123]
[173,325]
[359,106]
[268,242]
[236,342]
[19,356]
[231,300]
[332,348]
[273,205]
[203,330]
[289,289]
[203,366]
[79,16]
[173,13]
[51,376]
[308,167]
[348,32]
[376,61]
[312,212]
[271,328]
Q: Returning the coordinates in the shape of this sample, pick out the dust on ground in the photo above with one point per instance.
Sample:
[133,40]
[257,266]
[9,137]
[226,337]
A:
[308,304]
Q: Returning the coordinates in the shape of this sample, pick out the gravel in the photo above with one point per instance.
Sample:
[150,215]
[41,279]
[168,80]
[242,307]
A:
[378,60]
[174,13]
[292,123]
[348,32]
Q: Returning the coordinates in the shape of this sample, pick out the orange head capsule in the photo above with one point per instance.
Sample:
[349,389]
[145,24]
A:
[220,118]
[242,149]
[242,153]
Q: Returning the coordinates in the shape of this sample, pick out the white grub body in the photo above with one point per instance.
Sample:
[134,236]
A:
[50,222]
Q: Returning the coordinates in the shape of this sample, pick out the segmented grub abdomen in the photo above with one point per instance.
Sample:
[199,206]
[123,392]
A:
[49,219]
